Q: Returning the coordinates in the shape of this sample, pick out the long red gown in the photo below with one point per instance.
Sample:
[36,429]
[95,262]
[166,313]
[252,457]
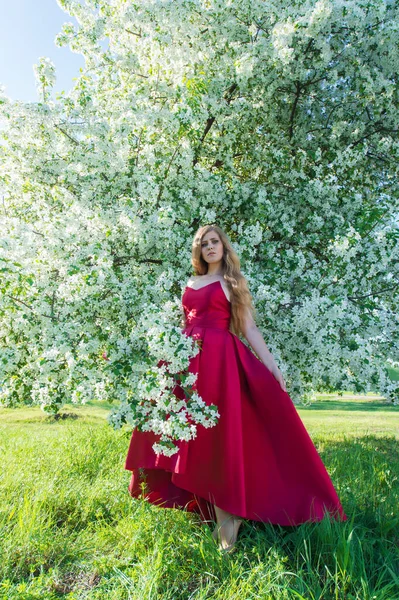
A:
[258,462]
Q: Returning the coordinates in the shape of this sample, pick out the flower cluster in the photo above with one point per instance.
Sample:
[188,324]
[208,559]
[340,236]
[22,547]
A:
[166,402]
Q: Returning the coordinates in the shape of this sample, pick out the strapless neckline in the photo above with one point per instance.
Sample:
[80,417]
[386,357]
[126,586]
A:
[203,286]
[207,285]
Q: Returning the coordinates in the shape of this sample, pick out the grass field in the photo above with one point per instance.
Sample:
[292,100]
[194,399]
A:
[69,529]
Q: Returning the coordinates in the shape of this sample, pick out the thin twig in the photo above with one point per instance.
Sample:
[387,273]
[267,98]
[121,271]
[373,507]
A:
[67,135]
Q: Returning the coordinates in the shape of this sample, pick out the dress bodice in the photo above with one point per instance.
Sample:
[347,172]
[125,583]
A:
[206,307]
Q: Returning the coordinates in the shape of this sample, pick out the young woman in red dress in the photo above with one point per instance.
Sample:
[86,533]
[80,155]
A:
[258,462]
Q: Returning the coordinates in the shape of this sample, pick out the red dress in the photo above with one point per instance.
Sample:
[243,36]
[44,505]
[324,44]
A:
[258,462]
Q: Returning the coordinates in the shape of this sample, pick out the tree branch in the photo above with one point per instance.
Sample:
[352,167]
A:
[133,32]
[293,110]
[67,135]
[228,97]
[27,306]
[388,289]
[367,135]
[161,188]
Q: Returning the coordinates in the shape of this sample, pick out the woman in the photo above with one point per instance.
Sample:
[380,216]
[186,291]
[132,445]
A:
[258,462]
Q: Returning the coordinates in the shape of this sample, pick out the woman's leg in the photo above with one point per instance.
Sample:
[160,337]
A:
[227,527]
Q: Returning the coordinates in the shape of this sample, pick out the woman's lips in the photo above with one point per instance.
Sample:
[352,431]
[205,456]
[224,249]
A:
[211,253]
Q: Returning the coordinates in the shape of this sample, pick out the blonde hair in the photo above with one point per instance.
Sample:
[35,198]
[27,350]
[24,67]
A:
[240,296]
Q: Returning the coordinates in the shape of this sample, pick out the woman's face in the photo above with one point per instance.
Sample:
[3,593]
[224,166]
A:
[211,247]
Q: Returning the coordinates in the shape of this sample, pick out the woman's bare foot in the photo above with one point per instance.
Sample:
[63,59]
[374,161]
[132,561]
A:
[228,532]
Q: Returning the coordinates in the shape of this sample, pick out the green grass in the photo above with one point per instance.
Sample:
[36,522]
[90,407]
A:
[69,529]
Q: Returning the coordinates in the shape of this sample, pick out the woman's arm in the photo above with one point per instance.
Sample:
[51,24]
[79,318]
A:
[182,317]
[257,343]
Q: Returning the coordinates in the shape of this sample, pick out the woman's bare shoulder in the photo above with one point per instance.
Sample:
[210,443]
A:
[192,279]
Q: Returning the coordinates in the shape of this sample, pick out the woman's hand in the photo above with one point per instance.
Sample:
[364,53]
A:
[279,376]
[257,343]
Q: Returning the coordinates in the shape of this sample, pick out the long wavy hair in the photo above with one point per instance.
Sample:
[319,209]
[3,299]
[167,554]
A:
[240,296]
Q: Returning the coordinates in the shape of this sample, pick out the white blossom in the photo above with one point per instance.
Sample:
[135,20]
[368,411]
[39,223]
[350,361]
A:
[276,121]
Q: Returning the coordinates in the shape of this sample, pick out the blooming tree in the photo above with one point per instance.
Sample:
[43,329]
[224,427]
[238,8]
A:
[276,120]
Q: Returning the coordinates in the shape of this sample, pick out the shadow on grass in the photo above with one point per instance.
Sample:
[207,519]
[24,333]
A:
[365,472]
[351,405]
[61,416]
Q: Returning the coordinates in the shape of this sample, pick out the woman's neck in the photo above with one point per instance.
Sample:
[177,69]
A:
[212,272]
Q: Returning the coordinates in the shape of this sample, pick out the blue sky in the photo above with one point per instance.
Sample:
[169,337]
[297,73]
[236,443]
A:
[27,31]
